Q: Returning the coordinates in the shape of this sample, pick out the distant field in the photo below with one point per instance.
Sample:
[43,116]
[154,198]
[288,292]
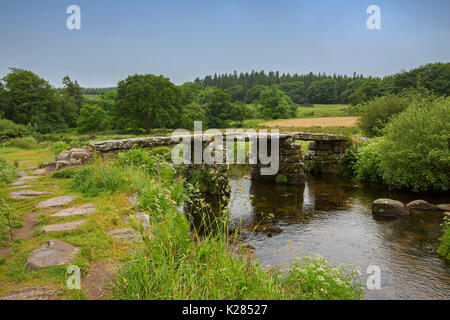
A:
[323,110]
[93,97]
[314,122]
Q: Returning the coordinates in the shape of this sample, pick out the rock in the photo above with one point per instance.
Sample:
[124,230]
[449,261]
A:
[25,194]
[389,208]
[420,205]
[40,172]
[73,157]
[133,199]
[33,293]
[141,217]
[75,211]
[127,234]
[52,253]
[64,226]
[443,207]
[24,187]
[447,214]
[55,202]
[23,180]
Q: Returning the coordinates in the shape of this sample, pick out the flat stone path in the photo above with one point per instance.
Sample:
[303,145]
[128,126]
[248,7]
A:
[33,293]
[64,226]
[52,253]
[55,202]
[126,234]
[23,180]
[24,187]
[75,211]
[26,194]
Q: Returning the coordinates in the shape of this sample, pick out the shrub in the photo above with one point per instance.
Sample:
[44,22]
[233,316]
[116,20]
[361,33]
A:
[368,165]
[415,150]
[378,112]
[27,143]
[92,119]
[9,130]
[444,248]
[7,172]
[59,147]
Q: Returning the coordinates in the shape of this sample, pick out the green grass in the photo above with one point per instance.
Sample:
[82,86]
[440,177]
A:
[323,111]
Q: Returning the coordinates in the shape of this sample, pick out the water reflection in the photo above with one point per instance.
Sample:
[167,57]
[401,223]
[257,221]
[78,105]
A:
[333,218]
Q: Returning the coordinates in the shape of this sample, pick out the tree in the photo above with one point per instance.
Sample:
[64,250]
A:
[217,104]
[192,112]
[322,91]
[252,94]
[147,101]
[28,99]
[108,101]
[236,93]
[92,118]
[73,90]
[190,92]
[239,112]
[275,104]
[295,90]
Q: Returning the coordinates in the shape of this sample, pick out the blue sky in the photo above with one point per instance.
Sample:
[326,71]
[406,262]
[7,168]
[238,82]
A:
[183,39]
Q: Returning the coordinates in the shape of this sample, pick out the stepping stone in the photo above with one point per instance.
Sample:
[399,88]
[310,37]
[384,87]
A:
[76,211]
[26,194]
[133,200]
[447,214]
[23,180]
[55,202]
[24,161]
[443,207]
[40,172]
[24,187]
[33,293]
[64,226]
[21,173]
[52,253]
[127,234]
[142,217]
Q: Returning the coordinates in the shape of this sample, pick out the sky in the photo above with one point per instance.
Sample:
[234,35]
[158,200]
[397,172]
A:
[185,39]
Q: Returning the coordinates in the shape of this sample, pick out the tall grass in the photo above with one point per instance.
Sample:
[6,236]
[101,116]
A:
[7,172]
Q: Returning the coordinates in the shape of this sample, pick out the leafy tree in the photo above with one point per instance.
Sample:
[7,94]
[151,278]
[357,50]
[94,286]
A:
[108,101]
[28,99]
[322,91]
[415,153]
[236,92]
[190,92]
[295,90]
[217,104]
[239,112]
[92,118]
[275,104]
[378,112]
[252,94]
[148,101]
[73,90]
[192,112]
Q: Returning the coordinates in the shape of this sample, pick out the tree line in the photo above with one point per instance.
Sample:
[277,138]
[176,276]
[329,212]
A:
[144,102]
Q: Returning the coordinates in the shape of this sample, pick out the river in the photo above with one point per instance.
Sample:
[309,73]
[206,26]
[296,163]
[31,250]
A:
[332,217]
